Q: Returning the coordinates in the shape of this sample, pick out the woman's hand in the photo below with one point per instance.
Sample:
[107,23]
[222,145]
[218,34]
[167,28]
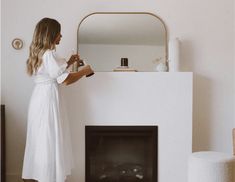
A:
[75,76]
[73,58]
[87,70]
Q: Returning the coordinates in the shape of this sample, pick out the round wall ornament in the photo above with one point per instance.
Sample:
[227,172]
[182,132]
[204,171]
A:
[17,43]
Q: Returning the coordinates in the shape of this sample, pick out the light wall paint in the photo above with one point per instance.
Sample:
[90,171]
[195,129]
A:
[1,54]
[234,57]
[205,29]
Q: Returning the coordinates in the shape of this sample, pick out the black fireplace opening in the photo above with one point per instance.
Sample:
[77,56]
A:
[121,153]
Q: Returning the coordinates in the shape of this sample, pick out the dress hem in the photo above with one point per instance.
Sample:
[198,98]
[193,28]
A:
[41,180]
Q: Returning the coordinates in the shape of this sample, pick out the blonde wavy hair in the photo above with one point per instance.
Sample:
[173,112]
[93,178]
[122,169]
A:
[44,37]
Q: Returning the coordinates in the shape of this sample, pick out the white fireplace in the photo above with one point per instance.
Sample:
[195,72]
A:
[141,98]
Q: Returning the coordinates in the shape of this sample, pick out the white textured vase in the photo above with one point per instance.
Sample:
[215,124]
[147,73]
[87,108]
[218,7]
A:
[174,55]
[211,167]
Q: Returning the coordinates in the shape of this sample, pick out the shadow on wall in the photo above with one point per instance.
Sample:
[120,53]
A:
[202,100]
[16,126]
[202,124]
[186,62]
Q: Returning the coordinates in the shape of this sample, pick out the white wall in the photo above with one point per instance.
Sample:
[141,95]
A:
[1,84]
[1,51]
[204,27]
[234,57]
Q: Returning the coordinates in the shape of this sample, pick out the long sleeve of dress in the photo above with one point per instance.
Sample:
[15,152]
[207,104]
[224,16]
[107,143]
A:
[53,65]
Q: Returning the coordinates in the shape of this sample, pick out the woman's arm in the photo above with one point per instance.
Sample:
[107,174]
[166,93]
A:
[73,77]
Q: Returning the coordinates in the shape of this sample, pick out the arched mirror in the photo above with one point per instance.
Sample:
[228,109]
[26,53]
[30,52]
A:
[104,38]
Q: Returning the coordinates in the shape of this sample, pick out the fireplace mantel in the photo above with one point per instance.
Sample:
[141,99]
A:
[140,98]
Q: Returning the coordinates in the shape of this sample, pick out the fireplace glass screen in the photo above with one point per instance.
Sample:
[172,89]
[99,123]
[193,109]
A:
[121,154]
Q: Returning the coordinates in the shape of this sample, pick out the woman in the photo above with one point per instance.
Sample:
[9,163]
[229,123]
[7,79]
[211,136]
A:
[48,156]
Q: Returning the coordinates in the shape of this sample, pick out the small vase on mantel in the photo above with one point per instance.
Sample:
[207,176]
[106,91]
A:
[174,55]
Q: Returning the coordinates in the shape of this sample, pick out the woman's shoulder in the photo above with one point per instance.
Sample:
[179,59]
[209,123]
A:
[48,54]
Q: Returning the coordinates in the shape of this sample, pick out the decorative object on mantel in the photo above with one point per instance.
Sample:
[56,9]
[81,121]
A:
[17,43]
[160,65]
[124,61]
[124,66]
[128,29]
[123,69]
[174,56]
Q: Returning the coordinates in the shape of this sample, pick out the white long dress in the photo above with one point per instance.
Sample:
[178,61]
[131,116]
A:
[48,154]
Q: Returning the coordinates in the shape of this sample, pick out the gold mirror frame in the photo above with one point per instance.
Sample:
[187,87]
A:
[146,13]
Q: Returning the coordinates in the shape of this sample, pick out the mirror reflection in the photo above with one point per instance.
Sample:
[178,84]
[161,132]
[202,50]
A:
[105,38]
